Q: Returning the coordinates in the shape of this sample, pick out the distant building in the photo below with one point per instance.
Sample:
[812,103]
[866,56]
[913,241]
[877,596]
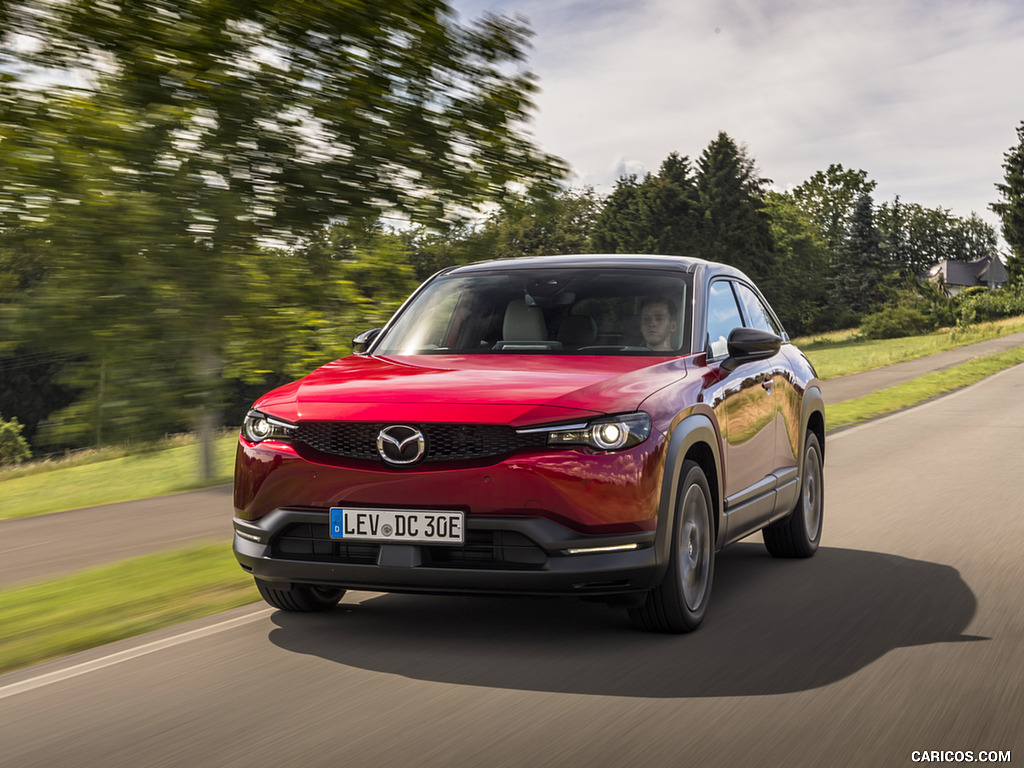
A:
[955,276]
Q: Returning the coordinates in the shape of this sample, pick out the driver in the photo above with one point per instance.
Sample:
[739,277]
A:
[658,322]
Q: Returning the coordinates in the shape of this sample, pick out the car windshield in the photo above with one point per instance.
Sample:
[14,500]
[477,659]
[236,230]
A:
[546,311]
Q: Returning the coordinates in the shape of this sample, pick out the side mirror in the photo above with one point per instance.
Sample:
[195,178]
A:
[749,344]
[363,341]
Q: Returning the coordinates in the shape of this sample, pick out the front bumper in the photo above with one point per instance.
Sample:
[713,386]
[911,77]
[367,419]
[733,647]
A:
[526,556]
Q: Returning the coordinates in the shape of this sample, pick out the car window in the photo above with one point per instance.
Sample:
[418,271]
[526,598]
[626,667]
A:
[723,316]
[596,311]
[754,311]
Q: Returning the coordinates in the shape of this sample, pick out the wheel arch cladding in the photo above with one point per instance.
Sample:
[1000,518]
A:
[813,420]
[694,438]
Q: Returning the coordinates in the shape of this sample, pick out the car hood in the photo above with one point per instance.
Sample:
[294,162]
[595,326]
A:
[505,389]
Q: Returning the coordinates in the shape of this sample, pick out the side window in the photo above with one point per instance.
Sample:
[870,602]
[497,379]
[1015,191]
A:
[723,316]
[753,309]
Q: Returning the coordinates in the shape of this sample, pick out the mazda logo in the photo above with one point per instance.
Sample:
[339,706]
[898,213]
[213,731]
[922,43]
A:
[401,445]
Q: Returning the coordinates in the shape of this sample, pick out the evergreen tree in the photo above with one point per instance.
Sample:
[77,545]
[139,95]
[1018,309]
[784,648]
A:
[660,214]
[860,269]
[669,209]
[620,226]
[1011,208]
[734,227]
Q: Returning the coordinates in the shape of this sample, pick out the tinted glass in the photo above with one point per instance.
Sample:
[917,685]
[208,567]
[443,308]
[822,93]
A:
[593,311]
[723,316]
[754,311]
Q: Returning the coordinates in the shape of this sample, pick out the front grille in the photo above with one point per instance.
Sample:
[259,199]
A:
[506,550]
[444,442]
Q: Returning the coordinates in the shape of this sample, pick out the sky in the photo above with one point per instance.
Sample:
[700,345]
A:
[923,95]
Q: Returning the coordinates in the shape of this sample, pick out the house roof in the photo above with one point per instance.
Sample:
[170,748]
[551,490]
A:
[970,273]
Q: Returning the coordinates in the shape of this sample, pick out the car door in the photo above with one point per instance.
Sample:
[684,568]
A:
[757,314]
[743,398]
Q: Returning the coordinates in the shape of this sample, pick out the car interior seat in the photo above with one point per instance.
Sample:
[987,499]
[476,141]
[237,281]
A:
[523,322]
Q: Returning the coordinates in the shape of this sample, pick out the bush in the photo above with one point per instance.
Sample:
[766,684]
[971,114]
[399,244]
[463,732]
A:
[980,304]
[896,321]
[13,448]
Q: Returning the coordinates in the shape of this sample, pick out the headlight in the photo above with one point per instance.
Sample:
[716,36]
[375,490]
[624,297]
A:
[606,434]
[258,427]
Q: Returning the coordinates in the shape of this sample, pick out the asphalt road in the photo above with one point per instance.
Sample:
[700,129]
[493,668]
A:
[904,633]
[47,546]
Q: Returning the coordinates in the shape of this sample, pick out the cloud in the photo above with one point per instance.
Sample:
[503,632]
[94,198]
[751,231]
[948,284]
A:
[923,95]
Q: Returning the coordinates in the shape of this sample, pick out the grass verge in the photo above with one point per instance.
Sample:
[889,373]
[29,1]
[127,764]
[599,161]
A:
[843,352]
[920,389]
[152,473]
[101,605]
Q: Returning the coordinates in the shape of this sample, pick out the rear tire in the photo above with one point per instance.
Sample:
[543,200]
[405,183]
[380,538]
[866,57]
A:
[799,532]
[679,603]
[299,598]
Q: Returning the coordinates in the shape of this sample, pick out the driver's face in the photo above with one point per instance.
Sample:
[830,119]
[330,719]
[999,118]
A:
[657,325]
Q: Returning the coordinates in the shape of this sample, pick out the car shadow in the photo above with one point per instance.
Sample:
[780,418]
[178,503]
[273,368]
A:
[774,626]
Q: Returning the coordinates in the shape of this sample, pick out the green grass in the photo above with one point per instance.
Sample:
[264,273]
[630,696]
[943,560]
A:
[41,489]
[101,605]
[920,389]
[843,352]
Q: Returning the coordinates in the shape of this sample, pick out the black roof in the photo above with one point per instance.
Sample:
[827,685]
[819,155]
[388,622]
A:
[970,273]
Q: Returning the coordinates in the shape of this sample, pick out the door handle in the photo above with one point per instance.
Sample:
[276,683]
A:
[766,385]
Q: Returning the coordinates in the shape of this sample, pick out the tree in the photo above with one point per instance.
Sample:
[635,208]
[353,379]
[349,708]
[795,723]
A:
[660,214]
[799,291]
[13,448]
[620,226]
[915,238]
[179,142]
[734,227]
[1011,208]
[829,198]
[714,211]
[533,223]
[430,249]
[30,387]
[861,267]
[670,208]
[539,223]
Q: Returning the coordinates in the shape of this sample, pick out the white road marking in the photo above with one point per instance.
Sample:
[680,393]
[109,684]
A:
[84,668]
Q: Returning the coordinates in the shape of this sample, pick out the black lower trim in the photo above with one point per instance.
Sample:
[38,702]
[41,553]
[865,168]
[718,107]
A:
[500,556]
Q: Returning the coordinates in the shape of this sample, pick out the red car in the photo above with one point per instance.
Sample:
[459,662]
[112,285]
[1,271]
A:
[596,426]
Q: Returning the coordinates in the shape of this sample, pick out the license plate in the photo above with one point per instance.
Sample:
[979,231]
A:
[415,526]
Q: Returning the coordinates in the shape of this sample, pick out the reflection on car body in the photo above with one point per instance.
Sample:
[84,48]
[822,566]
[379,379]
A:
[518,405]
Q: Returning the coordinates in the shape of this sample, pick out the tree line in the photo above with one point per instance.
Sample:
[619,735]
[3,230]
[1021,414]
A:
[198,203]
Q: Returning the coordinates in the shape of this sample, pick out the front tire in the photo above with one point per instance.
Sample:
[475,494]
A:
[798,534]
[299,598]
[679,603]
